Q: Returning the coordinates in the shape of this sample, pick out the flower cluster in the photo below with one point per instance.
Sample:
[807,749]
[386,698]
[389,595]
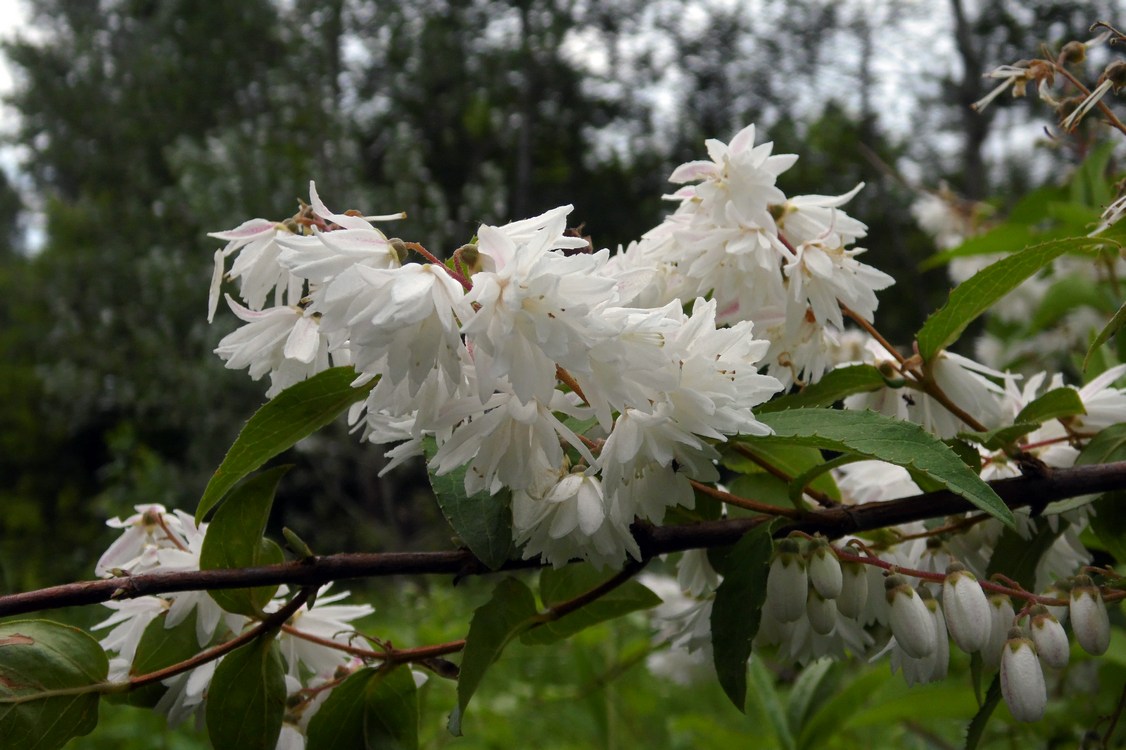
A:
[313,642]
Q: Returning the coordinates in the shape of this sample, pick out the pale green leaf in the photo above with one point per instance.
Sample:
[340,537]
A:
[1108,330]
[558,586]
[833,387]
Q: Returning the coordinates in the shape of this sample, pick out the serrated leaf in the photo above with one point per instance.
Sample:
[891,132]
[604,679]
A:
[234,540]
[36,658]
[510,611]
[873,435]
[977,725]
[158,648]
[1000,437]
[246,699]
[292,415]
[372,709]
[978,293]
[483,521]
[737,610]
[833,387]
[1111,328]
[557,586]
[1056,403]
[788,458]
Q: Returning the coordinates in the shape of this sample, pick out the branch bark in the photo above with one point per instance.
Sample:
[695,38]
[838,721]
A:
[1035,491]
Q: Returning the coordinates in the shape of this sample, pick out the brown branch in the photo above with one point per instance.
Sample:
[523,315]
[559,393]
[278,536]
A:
[1016,492]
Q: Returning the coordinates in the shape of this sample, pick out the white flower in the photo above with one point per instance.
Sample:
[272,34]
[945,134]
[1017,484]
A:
[129,621]
[967,609]
[695,573]
[1104,404]
[186,692]
[786,583]
[256,267]
[1049,637]
[326,621]
[1001,618]
[822,613]
[854,589]
[825,571]
[150,526]
[930,668]
[1022,679]
[571,520]
[1089,619]
[910,621]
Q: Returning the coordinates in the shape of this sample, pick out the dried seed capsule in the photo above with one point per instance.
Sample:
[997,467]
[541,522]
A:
[967,609]
[910,621]
[1089,619]
[1022,679]
[786,583]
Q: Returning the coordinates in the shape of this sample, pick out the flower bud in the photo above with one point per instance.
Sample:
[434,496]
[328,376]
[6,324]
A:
[967,609]
[822,613]
[1022,679]
[786,583]
[941,657]
[1049,637]
[910,621]
[1089,619]
[825,570]
[1073,53]
[1001,616]
[1059,590]
[854,589]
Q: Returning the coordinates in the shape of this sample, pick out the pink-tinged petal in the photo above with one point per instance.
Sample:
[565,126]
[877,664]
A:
[321,210]
[216,282]
[247,230]
[692,171]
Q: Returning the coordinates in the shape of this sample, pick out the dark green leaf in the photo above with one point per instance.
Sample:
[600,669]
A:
[1000,437]
[294,414]
[391,715]
[161,647]
[766,695]
[372,709]
[873,435]
[1108,330]
[809,690]
[977,726]
[835,713]
[833,387]
[36,658]
[1017,557]
[557,586]
[789,458]
[246,700]
[737,610]
[976,295]
[510,611]
[482,521]
[1056,403]
[234,540]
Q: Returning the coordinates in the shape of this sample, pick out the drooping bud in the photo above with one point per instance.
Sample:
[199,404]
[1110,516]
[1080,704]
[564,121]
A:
[1059,590]
[1001,616]
[825,570]
[1089,619]
[1022,679]
[822,613]
[1049,637]
[941,656]
[1073,53]
[910,621]
[786,583]
[399,248]
[854,589]
[967,609]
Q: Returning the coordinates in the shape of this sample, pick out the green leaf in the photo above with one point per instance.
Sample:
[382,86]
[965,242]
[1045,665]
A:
[292,415]
[44,668]
[161,647]
[234,540]
[873,435]
[1016,556]
[1000,437]
[1062,297]
[483,521]
[767,696]
[1000,239]
[789,458]
[1089,185]
[809,690]
[737,610]
[1109,520]
[557,586]
[977,725]
[838,711]
[833,387]
[1056,403]
[977,294]
[391,715]
[246,700]
[510,611]
[372,709]
[1108,330]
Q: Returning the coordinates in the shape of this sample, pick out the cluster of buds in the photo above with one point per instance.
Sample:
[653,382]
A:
[807,578]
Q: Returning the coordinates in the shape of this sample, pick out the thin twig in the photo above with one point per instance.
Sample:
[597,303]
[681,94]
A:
[819,497]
